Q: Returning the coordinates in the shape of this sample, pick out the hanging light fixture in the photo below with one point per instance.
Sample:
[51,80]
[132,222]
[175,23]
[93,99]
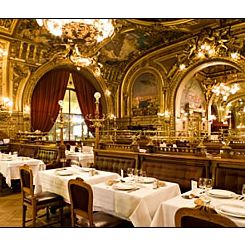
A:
[83,37]
[86,30]
[225,91]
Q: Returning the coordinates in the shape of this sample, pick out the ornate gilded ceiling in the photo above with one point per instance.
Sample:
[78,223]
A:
[133,37]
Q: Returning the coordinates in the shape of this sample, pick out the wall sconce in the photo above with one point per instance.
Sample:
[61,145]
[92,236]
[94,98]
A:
[6,105]
[6,108]
[3,52]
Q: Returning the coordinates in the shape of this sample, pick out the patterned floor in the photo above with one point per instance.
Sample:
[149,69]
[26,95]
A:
[11,213]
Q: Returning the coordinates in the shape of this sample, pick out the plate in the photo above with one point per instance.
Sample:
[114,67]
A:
[146,180]
[221,193]
[86,169]
[234,210]
[123,186]
[64,172]
[7,159]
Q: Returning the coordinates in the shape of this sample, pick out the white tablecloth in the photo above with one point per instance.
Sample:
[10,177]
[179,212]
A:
[9,167]
[51,181]
[165,215]
[80,158]
[138,206]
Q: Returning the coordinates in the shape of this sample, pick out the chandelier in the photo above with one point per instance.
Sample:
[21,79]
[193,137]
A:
[89,31]
[83,37]
[225,91]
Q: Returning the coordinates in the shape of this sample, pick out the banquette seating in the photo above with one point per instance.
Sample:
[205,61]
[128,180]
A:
[180,169]
[229,174]
[115,161]
[49,155]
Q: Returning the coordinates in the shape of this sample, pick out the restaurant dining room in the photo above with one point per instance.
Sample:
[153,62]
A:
[122,123]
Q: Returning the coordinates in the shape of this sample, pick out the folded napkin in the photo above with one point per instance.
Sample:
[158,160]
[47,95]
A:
[110,182]
[199,202]
[237,210]
[161,183]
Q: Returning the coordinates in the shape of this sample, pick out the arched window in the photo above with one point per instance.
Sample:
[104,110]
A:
[75,127]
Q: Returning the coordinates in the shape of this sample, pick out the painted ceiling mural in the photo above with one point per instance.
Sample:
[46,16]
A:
[133,38]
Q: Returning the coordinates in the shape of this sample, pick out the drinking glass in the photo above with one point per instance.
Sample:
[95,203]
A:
[142,173]
[243,191]
[130,172]
[201,183]
[208,184]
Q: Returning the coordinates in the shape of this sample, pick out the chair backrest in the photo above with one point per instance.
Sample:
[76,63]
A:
[81,198]
[26,180]
[201,217]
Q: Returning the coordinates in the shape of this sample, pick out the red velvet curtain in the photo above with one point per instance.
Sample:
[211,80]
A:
[85,95]
[44,104]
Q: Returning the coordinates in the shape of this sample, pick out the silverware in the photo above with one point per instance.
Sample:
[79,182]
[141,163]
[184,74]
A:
[239,197]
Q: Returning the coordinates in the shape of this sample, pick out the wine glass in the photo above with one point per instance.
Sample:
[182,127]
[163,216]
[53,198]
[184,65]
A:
[130,172]
[142,173]
[201,184]
[208,184]
[243,192]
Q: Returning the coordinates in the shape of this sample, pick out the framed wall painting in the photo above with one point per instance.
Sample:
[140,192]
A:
[145,95]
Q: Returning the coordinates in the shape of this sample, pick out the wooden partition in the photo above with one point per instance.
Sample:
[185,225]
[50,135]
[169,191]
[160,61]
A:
[175,168]
[114,161]
[227,174]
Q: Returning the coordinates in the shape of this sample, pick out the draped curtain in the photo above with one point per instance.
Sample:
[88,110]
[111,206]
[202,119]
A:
[85,95]
[44,104]
[50,89]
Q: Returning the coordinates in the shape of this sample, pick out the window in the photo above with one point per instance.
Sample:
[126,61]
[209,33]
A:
[75,127]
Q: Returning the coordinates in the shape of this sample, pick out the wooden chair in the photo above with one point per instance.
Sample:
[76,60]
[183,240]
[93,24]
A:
[37,201]
[201,217]
[82,215]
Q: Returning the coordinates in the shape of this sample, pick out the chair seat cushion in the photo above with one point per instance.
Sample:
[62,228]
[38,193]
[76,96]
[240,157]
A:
[101,219]
[44,198]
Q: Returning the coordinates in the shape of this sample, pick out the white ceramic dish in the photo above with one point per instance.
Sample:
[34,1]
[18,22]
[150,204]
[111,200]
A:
[86,169]
[123,186]
[218,193]
[64,172]
[146,180]
[233,210]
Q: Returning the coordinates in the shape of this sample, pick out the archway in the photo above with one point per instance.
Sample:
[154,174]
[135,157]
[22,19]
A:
[204,75]
[24,97]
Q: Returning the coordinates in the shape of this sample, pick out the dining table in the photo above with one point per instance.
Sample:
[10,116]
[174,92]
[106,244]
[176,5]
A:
[56,180]
[133,201]
[82,159]
[10,164]
[224,202]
